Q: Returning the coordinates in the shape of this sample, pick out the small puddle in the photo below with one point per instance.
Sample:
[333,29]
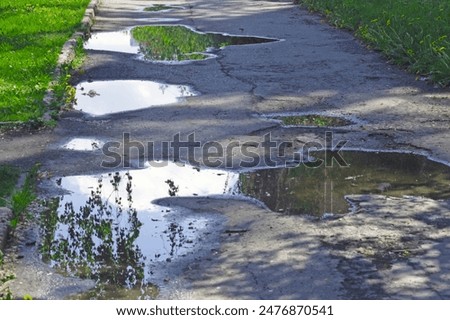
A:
[161,8]
[104,97]
[312,120]
[322,190]
[82,144]
[107,227]
[293,119]
[168,43]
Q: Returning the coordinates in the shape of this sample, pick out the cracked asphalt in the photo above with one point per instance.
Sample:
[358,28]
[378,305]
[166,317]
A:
[389,248]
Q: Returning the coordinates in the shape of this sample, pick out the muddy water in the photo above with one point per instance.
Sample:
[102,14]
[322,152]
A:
[322,190]
[168,43]
[104,97]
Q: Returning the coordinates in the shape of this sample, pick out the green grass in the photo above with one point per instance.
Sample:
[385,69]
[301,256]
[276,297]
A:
[8,179]
[32,34]
[22,198]
[411,33]
[5,277]
[18,201]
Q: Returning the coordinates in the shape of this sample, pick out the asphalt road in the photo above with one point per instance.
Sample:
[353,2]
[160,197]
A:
[313,69]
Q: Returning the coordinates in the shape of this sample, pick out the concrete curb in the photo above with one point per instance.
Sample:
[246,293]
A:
[68,51]
[5,218]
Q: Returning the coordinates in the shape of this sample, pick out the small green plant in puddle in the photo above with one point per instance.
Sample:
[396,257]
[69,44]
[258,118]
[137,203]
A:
[179,43]
[312,120]
[158,7]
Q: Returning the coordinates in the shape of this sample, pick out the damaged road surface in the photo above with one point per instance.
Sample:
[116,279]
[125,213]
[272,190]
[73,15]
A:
[238,203]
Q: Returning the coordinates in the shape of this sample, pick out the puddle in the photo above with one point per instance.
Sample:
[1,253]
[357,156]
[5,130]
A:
[120,41]
[168,43]
[108,229]
[81,144]
[319,191]
[178,43]
[105,97]
[312,120]
[161,8]
[296,119]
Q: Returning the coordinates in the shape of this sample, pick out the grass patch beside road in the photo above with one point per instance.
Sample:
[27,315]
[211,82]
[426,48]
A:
[412,33]
[17,199]
[8,179]
[32,34]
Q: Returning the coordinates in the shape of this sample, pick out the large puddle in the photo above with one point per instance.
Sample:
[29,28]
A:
[107,228]
[168,43]
[104,97]
[322,190]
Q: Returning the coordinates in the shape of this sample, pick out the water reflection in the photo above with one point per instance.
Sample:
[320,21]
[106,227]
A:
[303,190]
[107,228]
[96,239]
[179,43]
[167,43]
[104,97]
[83,144]
[119,41]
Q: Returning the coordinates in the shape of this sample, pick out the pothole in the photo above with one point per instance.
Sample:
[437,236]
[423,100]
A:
[168,43]
[108,227]
[105,97]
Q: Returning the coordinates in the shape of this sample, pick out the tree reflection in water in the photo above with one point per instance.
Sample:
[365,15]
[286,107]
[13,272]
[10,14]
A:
[316,191]
[97,241]
[179,43]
